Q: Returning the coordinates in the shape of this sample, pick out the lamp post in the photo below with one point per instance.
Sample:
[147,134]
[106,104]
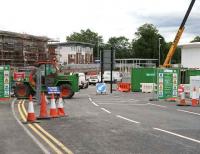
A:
[159,50]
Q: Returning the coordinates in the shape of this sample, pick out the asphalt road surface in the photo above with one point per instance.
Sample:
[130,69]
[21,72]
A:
[126,123]
[13,137]
[117,123]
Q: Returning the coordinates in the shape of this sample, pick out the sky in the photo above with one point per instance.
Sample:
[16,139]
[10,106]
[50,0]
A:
[59,18]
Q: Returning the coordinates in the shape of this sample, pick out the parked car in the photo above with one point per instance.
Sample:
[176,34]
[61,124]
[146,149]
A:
[83,83]
[93,79]
[116,76]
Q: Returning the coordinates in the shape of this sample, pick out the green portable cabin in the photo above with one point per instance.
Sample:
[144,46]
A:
[142,75]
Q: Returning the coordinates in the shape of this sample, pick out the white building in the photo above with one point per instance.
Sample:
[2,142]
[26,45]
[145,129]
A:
[72,52]
[190,55]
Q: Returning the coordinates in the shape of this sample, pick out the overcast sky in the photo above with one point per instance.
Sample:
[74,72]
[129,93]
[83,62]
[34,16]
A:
[58,18]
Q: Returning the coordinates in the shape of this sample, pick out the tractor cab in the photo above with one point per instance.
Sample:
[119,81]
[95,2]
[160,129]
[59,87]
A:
[48,73]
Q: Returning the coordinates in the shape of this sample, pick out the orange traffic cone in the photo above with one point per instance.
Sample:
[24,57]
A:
[53,112]
[31,114]
[194,97]
[60,110]
[43,108]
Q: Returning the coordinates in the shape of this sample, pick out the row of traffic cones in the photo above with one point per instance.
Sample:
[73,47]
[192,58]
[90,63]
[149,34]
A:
[54,112]
[194,100]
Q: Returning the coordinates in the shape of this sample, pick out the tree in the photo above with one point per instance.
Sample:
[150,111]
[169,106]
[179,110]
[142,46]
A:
[196,39]
[121,45]
[176,59]
[146,44]
[87,36]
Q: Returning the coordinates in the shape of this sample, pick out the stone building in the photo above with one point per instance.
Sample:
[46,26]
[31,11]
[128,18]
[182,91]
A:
[72,52]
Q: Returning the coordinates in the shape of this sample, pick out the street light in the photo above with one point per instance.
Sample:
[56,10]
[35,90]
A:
[159,49]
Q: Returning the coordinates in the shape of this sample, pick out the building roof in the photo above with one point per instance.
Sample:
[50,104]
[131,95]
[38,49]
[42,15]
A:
[190,45]
[24,36]
[68,43]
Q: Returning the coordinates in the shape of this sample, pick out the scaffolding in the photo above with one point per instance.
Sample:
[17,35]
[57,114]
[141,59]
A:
[22,49]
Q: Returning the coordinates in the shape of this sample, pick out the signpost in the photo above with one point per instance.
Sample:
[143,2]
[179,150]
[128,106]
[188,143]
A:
[53,90]
[101,88]
[167,83]
[4,81]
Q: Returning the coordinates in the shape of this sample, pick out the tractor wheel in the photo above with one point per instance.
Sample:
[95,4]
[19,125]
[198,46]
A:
[22,90]
[66,91]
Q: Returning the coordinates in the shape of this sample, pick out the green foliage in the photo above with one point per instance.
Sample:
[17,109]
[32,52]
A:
[146,44]
[196,39]
[121,45]
[86,36]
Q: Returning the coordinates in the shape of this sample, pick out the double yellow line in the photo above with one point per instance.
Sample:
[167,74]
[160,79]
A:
[48,138]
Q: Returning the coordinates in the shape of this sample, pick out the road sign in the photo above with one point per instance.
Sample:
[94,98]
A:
[107,59]
[167,83]
[101,88]
[53,90]
[4,81]
[18,76]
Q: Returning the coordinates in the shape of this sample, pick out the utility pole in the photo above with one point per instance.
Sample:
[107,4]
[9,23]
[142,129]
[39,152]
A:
[102,65]
[159,50]
[111,69]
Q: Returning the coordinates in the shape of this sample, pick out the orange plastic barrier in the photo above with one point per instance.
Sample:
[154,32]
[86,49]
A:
[124,87]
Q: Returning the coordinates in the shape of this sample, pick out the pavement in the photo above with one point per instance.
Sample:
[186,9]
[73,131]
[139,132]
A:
[115,123]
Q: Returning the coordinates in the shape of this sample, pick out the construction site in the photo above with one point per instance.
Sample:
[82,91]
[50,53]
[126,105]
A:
[82,98]
[22,49]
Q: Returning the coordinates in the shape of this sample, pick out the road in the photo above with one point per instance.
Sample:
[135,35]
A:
[114,123]
[14,139]
[126,123]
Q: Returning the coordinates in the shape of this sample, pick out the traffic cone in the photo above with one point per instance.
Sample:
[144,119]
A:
[194,97]
[53,112]
[31,114]
[43,108]
[60,110]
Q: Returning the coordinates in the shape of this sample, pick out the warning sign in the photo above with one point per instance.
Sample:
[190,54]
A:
[4,81]
[167,83]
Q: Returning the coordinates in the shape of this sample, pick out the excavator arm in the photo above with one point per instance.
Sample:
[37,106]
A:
[178,36]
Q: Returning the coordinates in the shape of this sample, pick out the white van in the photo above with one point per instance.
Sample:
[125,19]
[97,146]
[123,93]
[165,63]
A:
[116,76]
[83,83]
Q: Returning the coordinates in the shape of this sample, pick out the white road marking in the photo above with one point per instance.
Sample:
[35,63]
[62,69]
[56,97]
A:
[94,103]
[188,112]
[118,101]
[127,119]
[121,104]
[135,100]
[90,99]
[178,135]
[105,110]
[157,105]
[27,131]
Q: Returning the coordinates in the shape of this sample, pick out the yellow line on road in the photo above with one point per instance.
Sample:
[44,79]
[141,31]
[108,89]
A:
[57,151]
[63,147]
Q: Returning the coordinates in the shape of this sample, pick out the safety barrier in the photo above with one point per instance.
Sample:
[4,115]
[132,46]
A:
[194,101]
[124,86]
[148,87]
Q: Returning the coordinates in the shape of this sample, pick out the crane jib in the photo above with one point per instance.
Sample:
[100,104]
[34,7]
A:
[178,36]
